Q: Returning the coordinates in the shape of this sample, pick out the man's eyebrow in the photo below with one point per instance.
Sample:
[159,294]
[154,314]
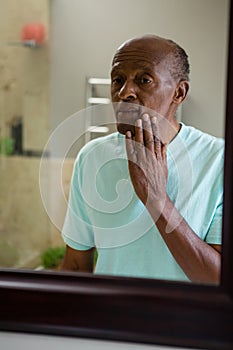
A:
[145,66]
[116,69]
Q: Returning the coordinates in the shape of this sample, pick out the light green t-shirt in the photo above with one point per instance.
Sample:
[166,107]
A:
[104,211]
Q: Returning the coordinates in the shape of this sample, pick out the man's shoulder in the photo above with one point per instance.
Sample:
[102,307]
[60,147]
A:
[196,136]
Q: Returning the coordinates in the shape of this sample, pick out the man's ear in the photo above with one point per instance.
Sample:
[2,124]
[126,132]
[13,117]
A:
[181,92]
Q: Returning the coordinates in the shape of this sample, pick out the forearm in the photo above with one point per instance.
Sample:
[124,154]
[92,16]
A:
[199,261]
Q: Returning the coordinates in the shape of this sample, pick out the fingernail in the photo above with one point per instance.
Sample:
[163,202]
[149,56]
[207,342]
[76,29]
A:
[154,120]
[145,117]
[138,123]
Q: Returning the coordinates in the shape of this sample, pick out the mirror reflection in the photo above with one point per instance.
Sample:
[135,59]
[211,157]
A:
[28,238]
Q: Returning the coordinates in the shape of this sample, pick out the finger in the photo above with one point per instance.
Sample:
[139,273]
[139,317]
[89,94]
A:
[164,151]
[164,158]
[148,133]
[155,130]
[139,140]
[130,149]
[138,131]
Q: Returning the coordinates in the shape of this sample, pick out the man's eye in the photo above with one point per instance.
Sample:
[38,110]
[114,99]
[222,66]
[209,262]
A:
[145,80]
[117,80]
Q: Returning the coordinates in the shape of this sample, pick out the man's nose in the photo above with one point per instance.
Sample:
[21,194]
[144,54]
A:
[127,91]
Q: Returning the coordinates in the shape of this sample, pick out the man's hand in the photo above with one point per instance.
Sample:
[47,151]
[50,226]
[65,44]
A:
[147,162]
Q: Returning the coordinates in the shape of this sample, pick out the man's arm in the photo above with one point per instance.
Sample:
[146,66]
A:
[78,260]
[148,171]
[200,261]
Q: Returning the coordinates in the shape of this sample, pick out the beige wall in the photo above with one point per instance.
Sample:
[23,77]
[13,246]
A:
[24,72]
[25,228]
[24,225]
[85,34]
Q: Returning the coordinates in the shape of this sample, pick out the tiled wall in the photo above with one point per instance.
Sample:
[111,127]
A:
[25,228]
[24,72]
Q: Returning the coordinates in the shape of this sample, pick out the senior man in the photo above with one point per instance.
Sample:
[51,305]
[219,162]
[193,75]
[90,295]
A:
[148,197]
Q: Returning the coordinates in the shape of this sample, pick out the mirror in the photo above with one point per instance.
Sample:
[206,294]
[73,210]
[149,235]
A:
[63,57]
[135,310]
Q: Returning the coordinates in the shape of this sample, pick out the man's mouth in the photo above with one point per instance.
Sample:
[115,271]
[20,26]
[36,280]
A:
[125,113]
[128,108]
[126,116]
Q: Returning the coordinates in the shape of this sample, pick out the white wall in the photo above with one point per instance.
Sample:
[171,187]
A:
[86,33]
[13,341]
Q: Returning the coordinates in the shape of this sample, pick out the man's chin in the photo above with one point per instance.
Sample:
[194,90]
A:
[123,128]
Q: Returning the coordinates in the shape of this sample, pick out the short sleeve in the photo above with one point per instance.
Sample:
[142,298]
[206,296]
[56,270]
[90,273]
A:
[77,231]
[214,234]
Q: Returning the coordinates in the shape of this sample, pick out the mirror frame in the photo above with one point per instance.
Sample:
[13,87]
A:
[130,309]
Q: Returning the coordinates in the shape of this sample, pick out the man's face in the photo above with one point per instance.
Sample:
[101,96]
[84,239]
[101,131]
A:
[140,81]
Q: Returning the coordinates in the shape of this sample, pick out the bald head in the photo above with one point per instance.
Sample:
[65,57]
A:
[156,49]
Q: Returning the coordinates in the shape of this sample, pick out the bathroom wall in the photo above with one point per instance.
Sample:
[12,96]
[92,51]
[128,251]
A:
[24,71]
[86,33]
[25,228]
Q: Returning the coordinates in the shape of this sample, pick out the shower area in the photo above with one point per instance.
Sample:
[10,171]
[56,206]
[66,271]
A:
[32,209]
[25,229]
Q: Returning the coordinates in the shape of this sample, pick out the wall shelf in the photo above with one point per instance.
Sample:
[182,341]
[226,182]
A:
[97,93]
